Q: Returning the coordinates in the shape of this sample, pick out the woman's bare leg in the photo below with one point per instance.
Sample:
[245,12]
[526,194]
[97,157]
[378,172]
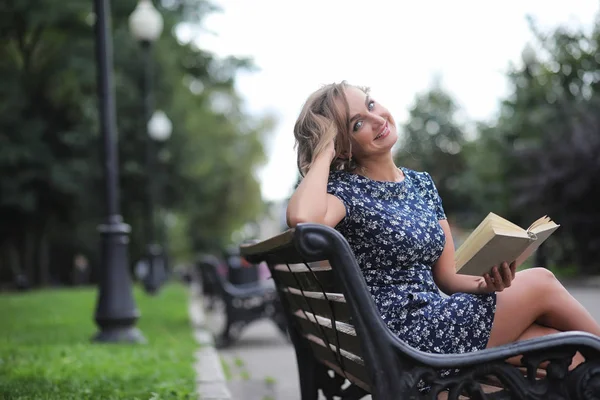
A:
[536,330]
[536,296]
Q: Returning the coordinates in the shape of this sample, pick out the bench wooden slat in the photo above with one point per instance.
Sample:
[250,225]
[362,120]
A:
[319,326]
[297,268]
[276,250]
[342,327]
[353,365]
[349,376]
[300,277]
[337,297]
[316,303]
[277,247]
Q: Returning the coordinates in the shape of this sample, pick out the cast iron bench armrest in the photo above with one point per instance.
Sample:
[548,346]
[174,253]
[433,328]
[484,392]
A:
[585,343]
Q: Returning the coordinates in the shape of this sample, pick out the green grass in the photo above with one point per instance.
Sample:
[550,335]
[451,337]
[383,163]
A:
[46,352]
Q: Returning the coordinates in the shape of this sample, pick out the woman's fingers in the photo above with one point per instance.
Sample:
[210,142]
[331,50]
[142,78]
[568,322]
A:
[513,269]
[500,276]
[506,274]
[498,283]
[489,282]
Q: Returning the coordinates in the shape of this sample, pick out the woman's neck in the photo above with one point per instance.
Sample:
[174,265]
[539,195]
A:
[380,170]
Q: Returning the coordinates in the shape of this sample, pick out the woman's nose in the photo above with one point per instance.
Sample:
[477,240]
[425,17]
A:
[378,120]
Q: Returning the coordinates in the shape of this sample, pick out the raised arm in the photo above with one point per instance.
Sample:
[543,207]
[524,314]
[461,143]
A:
[310,201]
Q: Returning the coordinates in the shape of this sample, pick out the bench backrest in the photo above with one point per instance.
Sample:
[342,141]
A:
[315,272]
[207,267]
[317,306]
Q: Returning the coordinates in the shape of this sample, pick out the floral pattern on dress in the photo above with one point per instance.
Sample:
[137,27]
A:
[393,229]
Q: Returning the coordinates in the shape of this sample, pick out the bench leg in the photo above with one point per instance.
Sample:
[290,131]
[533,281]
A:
[307,367]
[230,334]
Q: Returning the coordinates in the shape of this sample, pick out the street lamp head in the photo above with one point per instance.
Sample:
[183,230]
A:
[160,126]
[145,22]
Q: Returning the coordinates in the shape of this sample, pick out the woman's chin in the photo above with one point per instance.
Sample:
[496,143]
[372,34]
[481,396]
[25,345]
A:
[388,142]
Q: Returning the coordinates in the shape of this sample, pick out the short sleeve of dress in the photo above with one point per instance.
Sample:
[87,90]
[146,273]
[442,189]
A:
[342,189]
[431,195]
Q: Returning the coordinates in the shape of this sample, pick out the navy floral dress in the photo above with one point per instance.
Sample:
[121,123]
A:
[394,231]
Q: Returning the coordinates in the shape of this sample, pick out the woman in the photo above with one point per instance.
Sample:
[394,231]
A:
[394,221]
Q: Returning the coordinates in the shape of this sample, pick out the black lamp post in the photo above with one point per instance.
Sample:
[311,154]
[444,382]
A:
[116,313]
[146,25]
[159,130]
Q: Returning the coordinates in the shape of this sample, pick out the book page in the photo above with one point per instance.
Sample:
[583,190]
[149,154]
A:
[539,222]
[506,224]
[476,240]
[500,248]
[542,233]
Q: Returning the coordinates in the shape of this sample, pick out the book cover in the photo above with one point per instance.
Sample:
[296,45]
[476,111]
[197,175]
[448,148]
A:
[496,240]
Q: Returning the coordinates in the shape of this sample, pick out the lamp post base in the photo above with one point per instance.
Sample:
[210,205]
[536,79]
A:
[116,313]
[156,274]
[128,334]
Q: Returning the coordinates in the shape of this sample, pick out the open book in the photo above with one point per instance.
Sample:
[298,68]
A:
[496,240]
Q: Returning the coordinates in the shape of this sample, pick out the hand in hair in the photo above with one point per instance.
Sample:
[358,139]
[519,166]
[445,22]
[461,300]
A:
[330,150]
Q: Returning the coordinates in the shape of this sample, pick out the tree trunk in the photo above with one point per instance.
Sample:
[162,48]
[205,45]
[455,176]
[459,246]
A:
[14,261]
[28,254]
[43,261]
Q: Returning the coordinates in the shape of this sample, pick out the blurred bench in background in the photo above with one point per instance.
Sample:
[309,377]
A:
[235,296]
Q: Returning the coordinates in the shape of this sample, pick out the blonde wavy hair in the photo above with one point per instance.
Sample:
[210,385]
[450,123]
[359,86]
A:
[325,116]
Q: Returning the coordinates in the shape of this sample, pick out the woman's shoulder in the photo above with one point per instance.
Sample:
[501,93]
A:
[419,176]
[421,180]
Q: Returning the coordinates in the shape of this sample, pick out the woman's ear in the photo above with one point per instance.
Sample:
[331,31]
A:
[345,156]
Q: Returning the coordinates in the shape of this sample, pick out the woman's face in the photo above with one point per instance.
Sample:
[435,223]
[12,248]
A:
[372,128]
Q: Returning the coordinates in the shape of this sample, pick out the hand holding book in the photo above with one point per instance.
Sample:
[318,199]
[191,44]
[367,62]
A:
[499,278]
[496,240]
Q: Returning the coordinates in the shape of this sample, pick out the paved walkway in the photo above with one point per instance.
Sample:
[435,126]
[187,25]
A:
[210,382]
[262,363]
[260,366]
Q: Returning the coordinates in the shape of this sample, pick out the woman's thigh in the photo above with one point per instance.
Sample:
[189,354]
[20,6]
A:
[519,306]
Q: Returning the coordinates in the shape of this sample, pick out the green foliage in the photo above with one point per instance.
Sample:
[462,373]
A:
[51,185]
[433,141]
[46,352]
[539,157]
[548,134]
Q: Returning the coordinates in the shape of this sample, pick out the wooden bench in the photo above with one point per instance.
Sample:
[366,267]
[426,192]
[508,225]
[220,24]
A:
[242,304]
[339,336]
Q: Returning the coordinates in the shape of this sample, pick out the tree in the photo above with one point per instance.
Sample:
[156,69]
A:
[50,181]
[549,140]
[433,141]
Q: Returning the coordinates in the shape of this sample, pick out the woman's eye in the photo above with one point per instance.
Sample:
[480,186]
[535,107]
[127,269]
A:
[357,125]
[371,105]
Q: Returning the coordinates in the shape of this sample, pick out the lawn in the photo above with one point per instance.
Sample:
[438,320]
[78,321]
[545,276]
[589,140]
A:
[46,352]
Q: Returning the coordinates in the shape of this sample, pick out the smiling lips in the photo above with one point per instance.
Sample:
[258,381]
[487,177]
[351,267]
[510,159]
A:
[384,132]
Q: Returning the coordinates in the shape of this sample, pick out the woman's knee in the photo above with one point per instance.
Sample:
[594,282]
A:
[540,278]
[535,287]
[538,272]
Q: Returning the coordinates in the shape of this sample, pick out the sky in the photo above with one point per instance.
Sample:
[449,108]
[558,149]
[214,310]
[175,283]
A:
[394,47]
